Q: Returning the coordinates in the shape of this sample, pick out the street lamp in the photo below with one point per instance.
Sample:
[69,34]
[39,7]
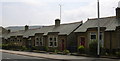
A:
[60,11]
[98,49]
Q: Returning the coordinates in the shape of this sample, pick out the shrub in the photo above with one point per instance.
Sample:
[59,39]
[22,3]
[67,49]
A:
[46,49]
[24,48]
[118,54]
[56,51]
[81,49]
[43,48]
[93,47]
[103,51]
[65,52]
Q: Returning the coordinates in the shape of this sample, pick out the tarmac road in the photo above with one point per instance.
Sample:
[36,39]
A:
[15,57]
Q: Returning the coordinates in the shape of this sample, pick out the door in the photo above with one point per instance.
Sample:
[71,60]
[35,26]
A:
[63,44]
[82,41]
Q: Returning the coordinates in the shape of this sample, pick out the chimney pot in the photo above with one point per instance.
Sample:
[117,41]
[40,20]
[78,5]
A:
[26,27]
[9,30]
[57,22]
[118,12]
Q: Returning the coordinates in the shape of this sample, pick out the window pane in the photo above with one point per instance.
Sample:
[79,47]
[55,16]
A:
[37,39]
[54,39]
[40,43]
[40,39]
[93,36]
[55,43]
[51,44]
[50,39]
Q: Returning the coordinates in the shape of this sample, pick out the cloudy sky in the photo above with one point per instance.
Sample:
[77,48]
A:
[44,12]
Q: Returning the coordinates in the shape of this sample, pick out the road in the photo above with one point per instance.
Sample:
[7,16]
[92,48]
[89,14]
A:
[14,57]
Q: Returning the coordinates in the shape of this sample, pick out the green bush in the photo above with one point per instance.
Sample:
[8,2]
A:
[52,49]
[118,54]
[40,48]
[81,49]
[7,46]
[56,51]
[13,47]
[24,48]
[103,51]
[65,52]
[93,47]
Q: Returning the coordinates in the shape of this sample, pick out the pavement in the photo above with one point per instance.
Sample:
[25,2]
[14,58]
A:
[15,57]
[43,55]
[48,57]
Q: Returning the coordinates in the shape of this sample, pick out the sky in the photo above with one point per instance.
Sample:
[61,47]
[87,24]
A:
[44,12]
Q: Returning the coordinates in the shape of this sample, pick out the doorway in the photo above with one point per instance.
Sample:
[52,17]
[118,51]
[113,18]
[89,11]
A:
[82,41]
[63,44]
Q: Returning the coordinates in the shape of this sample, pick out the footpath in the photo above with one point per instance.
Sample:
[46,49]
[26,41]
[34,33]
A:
[44,55]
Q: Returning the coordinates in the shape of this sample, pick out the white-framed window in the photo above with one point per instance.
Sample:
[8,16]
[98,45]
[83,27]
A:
[53,42]
[12,40]
[19,40]
[50,42]
[36,41]
[39,41]
[93,36]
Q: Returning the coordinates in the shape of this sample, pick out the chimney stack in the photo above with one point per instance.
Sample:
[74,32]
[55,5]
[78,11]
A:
[57,22]
[26,27]
[9,30]
[118,12]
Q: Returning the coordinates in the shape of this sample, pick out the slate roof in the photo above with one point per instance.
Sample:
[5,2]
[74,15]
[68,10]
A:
[66,29]
[0,31]
[63,29]
[109,23]
[45,29]
[17,28]
[3,31]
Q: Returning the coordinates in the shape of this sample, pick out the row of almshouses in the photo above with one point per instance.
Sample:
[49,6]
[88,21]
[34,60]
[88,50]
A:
[71,35]
[55,36]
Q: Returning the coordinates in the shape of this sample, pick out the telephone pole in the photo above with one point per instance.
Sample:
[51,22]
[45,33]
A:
[98,49]
[60,11]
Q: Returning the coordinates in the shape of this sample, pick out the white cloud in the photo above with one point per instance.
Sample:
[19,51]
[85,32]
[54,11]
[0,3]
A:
[107,8]
[44,12]
[81,13]
[0,14]
[119,4]
[29,2]
[35,2]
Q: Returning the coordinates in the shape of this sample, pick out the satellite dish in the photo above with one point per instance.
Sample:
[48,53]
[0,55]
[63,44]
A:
[119,4]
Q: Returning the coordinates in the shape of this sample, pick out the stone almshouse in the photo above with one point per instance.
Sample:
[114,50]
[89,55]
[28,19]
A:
[68,36]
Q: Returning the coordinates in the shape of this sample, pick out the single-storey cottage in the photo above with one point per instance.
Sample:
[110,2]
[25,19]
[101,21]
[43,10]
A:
[109,31]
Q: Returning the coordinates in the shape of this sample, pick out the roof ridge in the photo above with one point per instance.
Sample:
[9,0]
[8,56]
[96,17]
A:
[64,24]
[72,23]
[102,17]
